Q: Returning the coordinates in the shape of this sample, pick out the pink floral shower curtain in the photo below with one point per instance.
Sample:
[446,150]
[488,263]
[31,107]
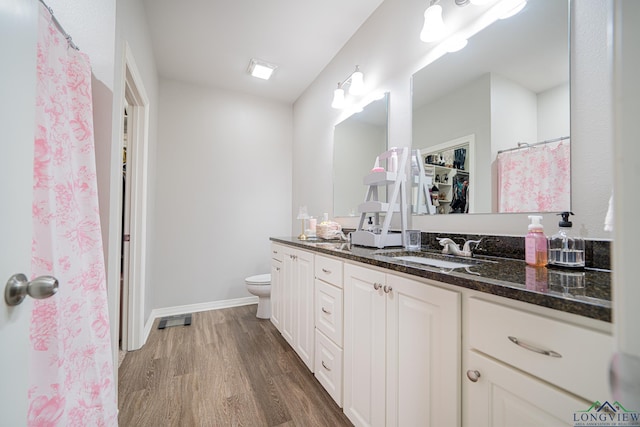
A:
[535,179]
[71,367]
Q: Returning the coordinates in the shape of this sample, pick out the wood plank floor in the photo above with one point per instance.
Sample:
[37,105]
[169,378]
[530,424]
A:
[227,369]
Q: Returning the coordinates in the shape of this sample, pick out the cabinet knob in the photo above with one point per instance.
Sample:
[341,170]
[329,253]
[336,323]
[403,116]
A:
[324,270]
[387,289]
[377,286]
[324,310]
[473,375]
[325,366]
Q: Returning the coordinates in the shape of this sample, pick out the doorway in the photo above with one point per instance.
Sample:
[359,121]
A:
[135,121]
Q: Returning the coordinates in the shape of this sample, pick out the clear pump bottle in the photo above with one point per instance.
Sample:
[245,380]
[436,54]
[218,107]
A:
[566,249]
[535,243]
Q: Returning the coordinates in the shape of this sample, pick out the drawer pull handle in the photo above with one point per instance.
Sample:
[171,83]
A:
[377,286]
[324,310]
[387,289]
[473,376]
[533,348]
[325,271]
[325,366]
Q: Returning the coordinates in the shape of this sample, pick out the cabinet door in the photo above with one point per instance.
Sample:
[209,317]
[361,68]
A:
[276,292]
[423,354]
[505,397]
[288,296]
[364,346]
[303,313]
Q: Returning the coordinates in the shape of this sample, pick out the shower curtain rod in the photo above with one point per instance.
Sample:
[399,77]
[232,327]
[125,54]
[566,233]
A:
[64,33]
[527,145]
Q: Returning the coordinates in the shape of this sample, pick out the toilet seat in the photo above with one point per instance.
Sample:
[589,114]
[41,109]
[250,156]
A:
[259,279]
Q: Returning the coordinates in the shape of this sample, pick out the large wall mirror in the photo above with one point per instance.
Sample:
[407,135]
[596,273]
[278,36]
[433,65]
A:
[357,141]
[509,87]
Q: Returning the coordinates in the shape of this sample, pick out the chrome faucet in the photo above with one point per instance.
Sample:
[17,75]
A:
[451,247]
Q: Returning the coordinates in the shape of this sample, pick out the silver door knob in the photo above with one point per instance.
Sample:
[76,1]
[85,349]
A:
[18,287]
[473,375]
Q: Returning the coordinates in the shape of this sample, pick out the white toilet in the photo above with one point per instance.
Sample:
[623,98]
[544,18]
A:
[260,286]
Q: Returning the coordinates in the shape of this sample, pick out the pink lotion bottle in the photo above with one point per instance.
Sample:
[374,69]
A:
[535,243]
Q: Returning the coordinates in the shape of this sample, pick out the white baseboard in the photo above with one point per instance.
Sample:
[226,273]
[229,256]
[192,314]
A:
[194,308]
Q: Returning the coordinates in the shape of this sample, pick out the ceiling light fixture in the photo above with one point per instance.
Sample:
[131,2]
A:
[356,87]
[261,69]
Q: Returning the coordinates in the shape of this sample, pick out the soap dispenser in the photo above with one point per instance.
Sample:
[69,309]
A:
[535,243]
[566,249]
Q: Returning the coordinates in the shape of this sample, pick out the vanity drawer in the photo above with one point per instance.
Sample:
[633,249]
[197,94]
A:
[328,369]
[277,252]
[569,356]
[329,270]
[328,308]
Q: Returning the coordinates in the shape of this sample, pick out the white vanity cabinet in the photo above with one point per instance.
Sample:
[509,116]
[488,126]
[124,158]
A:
[524,368]
[329,325]
[277,253]
[401,350]
[294,302]
[505,397]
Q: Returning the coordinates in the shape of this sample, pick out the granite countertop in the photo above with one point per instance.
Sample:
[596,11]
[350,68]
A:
[584,292]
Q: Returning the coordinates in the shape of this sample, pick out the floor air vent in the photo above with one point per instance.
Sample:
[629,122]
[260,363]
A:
[178,320]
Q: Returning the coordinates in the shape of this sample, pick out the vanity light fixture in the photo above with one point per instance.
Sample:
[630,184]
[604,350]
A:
[261,69]
[434,27]
[356,87]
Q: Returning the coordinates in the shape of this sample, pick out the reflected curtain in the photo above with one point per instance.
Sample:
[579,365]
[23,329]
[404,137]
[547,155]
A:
[71,380]
[535,179]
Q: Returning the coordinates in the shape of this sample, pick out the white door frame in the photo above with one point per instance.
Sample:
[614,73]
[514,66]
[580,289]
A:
[137,161]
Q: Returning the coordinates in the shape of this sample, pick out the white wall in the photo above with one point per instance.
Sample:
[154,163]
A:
[223,188]
[554,121]
[388,50]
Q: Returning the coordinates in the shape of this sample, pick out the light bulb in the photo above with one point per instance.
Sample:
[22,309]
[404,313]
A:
[357,83]
[338,98]
[434,27]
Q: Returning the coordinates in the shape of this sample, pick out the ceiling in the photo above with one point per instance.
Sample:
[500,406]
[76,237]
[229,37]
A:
[210,42]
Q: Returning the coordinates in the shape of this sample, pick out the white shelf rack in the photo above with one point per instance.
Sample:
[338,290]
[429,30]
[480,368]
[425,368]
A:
[392,180]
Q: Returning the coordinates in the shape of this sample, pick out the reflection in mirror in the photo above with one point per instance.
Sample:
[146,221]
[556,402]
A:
[443,178]
[356,142]
[509,85]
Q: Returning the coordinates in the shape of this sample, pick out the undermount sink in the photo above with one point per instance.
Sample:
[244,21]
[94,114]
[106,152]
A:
[433,262]
[434,259]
